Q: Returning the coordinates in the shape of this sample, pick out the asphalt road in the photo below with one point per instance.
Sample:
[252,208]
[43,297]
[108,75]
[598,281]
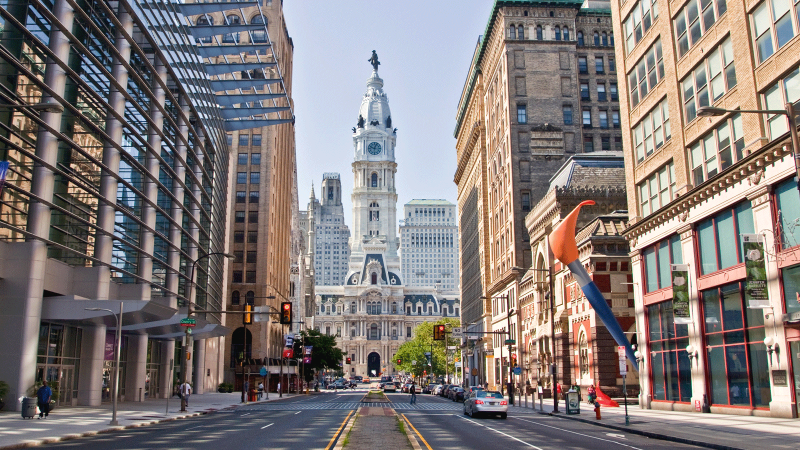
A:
[312,422]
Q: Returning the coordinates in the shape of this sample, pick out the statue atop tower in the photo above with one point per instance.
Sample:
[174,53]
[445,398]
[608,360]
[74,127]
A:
[374,60]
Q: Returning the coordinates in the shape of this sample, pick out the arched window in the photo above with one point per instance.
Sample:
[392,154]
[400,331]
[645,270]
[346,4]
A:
[520,32]
[203,20]
[374,179]
[512,32]
[394,307]
[539,35]
[605,39]
[566,33]
[611,39]
[352,307]
[235,298]
[580,37]
[373,331]
[374,278]
[596,38]
[259,36]
[583,351]
[374,212]
[231,38]
[250,298]
[558,33]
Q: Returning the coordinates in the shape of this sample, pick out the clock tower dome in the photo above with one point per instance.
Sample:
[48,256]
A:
[374,197]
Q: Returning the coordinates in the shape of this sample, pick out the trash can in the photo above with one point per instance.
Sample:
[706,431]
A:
[573,402]
[28,407]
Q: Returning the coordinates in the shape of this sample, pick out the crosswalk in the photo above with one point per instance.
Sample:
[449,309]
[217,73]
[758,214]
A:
[296,406]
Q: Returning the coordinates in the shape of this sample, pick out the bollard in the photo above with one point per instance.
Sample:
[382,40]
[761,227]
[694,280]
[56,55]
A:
[597,411]
[140,394]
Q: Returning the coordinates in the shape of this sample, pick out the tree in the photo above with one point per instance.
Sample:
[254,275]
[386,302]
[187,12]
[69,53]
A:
[414,350]
[325,355]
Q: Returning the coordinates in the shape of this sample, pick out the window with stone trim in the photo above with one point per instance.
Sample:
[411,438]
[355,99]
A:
[652,131]
[646,74]
[694,20]
[717,150]
[657,259]
[670,365]
[657,190]
[522,114]
[719,237]
[775,23]
[785,90]
[709,81]
[583,65]
[641,18]
[599,65]
[567,110]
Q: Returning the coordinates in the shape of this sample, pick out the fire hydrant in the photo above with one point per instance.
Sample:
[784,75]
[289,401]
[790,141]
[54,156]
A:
[597,411]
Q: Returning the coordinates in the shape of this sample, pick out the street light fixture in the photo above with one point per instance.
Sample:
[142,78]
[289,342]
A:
[117,345]
[707,111]
[184,360]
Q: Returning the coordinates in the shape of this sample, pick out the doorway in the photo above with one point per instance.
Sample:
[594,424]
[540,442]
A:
[373,364]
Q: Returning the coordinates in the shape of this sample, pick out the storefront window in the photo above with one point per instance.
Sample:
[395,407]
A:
[719,237]
[737,358]
[788,213]
[669,362]
[790,278]
[657,260]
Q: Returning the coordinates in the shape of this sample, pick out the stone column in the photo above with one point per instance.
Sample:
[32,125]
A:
[90,380]
[165,372]
[136,367]
[199,357]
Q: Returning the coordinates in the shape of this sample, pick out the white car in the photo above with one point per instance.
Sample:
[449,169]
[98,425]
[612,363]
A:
[389,387]
[438,389]
[486,402]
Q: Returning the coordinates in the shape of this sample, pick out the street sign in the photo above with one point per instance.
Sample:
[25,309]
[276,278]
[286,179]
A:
[457,332]
[517,370]
[623,362]
[263,372]
[510,342]
[451,347]
[490,352]
[473,337]
[623,368]
[189,322]
[458,363]
[427,353]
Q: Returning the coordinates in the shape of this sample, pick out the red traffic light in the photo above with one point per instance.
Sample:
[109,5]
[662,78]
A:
[348,360]
[438,332]
[399,361]
[286,313]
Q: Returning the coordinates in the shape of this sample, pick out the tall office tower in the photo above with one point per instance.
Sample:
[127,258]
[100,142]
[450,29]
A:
[712,189]
[116,196]
[331,249]
[372,313]
[429,244]
[541,87]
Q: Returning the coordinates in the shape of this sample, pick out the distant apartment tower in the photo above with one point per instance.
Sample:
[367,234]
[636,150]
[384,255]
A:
[331,249]
[429,244]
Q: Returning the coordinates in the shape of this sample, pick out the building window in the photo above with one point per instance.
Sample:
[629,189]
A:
[558,33]
[241,177]
[512,32]
[604,120]
[605,142]
[520,33]
[719,237]
[238,237]
[253,196]
[252,257]
[583,65]
[235,298]
[736,356]
[694,19]
[670,365]
[599,65]
[588,144]
[522,114]
[526,201]
[605,39]
[567,109]
[641,18]
[230,38]
[255,158]
[772,25]
[612,65]
[784,91]
[250,276]
[596,39]
[615,118]
[237,276]
[238,256]
[374,179]
[601,92]
[612,89]
[657,190]
[709,81]
[647,73]
[374,278]
[255,177]
[252,216]
[539,35]
[587,118]
[244,140]
[583,352]
[203,20]
[657,259]
[717,150]
[241,196]
[566,33]
[256,142]
[408,329]
[787,214]
[585,91]
[239,216]
[652,131]
[242,160]
[580,38]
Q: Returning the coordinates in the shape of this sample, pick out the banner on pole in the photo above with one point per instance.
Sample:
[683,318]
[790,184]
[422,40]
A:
[288,340]
[755,285]
[680,293]
[307,350]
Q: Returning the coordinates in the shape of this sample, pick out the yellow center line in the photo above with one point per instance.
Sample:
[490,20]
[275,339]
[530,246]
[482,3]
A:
[333,439]
[415,430]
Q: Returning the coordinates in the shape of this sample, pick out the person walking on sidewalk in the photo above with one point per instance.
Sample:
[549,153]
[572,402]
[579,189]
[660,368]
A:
[413,391]
[43,399]
[591,394]
[186,391]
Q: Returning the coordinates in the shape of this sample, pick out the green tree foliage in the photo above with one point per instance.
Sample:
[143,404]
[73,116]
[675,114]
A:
[414,350]
[325,355]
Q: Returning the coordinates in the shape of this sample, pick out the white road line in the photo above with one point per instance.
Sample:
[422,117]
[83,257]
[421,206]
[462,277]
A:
[579,434]
[499,432]
[194,427]
[298,412]
[247,414]
[265,426]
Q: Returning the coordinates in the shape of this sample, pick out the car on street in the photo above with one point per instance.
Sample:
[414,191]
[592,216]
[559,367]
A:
[365,380]
[406,387]
[457,394]
[339,385]
[428,388]
[486,402]
[438,389]
[472,389]
[389,387]
[446,391]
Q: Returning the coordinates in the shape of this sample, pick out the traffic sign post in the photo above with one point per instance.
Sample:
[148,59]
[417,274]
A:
[189,322]
[457,332]
[623,370]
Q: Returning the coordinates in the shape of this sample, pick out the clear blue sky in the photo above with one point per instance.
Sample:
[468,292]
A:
[425,48]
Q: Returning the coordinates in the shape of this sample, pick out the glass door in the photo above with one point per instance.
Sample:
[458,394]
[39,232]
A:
[794,350]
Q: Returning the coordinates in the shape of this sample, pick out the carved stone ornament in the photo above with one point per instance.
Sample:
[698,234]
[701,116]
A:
[683,216]
[755,178]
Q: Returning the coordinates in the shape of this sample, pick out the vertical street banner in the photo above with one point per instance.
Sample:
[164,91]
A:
[680,293]
[288,340]
[3,174]
[307,354]
[755,285]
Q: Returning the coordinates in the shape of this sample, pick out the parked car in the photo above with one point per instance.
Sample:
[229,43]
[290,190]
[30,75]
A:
[406,387]
[389,387]
[446,391]
[457,394]
[438,389]
[427,389]
[365,380]
[472,389]
[452,391]
[486,402]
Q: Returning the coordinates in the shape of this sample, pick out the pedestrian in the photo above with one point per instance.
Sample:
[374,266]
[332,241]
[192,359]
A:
[260,389]
[279,387]
[186,391]
[413,391]
[43,399]
[558,390]
[591,394]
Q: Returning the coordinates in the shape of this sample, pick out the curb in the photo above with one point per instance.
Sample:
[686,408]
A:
[411,438]
[648,434]
[343,435]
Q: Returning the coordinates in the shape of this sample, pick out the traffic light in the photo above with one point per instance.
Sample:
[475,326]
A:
[399,361]
[348,360]
[247,317]
[286,313]
[513,360]
[438,332]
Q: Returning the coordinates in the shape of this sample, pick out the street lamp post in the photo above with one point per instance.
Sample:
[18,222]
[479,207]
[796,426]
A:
[117,348]
[788,111]
[186,354]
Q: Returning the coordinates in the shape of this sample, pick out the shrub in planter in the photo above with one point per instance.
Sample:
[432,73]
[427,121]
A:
[223,387]
[4,388]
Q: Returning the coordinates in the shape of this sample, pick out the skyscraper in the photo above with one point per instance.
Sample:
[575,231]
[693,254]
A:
[331,247]
[429,245]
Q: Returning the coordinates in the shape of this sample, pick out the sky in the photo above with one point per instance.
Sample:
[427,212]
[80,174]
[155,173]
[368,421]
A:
[425,49]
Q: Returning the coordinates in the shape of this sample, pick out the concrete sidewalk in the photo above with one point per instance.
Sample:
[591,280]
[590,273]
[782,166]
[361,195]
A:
[722,431]
[72,422]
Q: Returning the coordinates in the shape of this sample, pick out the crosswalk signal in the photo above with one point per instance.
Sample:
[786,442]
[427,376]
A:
[438,332]
[247,317]
[286,313]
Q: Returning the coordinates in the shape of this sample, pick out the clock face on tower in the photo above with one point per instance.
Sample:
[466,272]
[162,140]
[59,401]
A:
[374,148]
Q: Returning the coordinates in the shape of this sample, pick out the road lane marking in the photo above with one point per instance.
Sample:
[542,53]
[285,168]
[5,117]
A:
[246,414]
[418,433]
[194,427]
[579,434]
[265,426]
[498,431]
[298,412]
[333,439]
